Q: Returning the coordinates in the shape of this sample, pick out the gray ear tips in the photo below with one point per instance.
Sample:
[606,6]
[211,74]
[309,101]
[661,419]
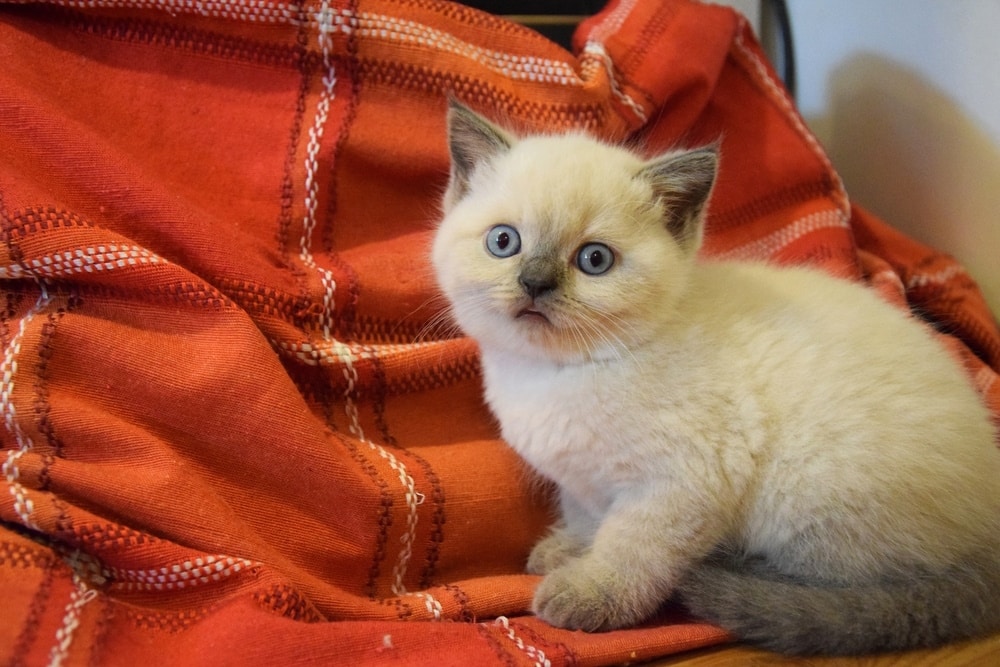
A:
[455,108]
[703,162]
[472,141]
[683,181]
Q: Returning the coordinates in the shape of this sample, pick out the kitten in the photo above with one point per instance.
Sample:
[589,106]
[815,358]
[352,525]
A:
[788,455]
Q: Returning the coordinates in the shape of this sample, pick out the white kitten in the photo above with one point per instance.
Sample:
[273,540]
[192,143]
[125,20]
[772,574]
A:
[796,459]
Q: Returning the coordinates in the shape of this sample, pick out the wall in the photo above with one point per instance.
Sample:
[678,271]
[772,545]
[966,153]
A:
[905,96]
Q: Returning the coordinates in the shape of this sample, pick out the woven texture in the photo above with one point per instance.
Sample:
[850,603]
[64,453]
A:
[229,434]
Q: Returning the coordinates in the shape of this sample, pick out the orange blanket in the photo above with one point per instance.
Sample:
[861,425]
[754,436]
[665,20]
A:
[229,434]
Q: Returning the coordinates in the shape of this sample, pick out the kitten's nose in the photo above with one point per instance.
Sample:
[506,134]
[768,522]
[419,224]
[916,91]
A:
[538,277]
[536,288]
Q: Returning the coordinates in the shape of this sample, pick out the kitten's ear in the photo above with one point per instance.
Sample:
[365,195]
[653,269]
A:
[472,140]
[682,182]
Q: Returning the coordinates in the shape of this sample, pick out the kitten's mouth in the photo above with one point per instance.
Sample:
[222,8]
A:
[532,314]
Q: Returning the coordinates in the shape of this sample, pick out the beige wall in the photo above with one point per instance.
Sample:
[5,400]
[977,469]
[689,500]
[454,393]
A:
[905,96]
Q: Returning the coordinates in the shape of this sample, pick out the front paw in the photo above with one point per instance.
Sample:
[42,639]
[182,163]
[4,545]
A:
[585,596]
[552,552]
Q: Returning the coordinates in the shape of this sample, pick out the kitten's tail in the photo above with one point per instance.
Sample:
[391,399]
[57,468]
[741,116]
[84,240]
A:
[790,617]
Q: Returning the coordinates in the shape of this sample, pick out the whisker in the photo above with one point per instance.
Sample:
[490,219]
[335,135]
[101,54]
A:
[440,324]
[602,328]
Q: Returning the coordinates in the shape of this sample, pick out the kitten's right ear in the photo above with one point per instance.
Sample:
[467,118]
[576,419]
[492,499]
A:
[472,140]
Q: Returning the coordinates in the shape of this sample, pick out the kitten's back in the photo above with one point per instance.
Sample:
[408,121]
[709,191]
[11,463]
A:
[893,538]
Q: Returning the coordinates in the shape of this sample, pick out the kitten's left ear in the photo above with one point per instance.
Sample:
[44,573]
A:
[682,182]
[472,140]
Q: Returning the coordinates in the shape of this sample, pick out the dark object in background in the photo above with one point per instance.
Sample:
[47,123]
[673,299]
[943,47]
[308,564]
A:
[557,19]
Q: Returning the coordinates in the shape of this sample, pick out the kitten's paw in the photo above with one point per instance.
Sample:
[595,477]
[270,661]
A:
[582,596]
[553,551]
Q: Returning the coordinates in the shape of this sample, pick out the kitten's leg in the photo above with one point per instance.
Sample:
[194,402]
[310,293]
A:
[568,538]
[640,551]
[555,549]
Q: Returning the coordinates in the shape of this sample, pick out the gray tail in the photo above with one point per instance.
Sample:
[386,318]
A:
[791,617]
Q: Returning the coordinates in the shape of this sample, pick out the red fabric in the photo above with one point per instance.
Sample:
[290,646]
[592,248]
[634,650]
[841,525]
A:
[232,432]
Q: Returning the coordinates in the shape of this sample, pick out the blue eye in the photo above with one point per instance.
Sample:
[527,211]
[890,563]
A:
[503,241]
[595,259]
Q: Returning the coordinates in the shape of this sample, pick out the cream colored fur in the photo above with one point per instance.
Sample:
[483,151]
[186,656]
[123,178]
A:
[688,408]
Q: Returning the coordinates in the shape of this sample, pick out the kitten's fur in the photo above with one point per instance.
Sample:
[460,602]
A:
[795,459]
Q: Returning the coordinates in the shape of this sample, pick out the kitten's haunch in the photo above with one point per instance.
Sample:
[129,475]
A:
[780,450]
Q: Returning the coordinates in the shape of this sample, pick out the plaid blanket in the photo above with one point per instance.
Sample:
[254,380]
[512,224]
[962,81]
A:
[232,431]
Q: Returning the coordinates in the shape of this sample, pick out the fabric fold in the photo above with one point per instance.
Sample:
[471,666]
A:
[236,422]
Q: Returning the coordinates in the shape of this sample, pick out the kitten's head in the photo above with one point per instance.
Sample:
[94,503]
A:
[563,247]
